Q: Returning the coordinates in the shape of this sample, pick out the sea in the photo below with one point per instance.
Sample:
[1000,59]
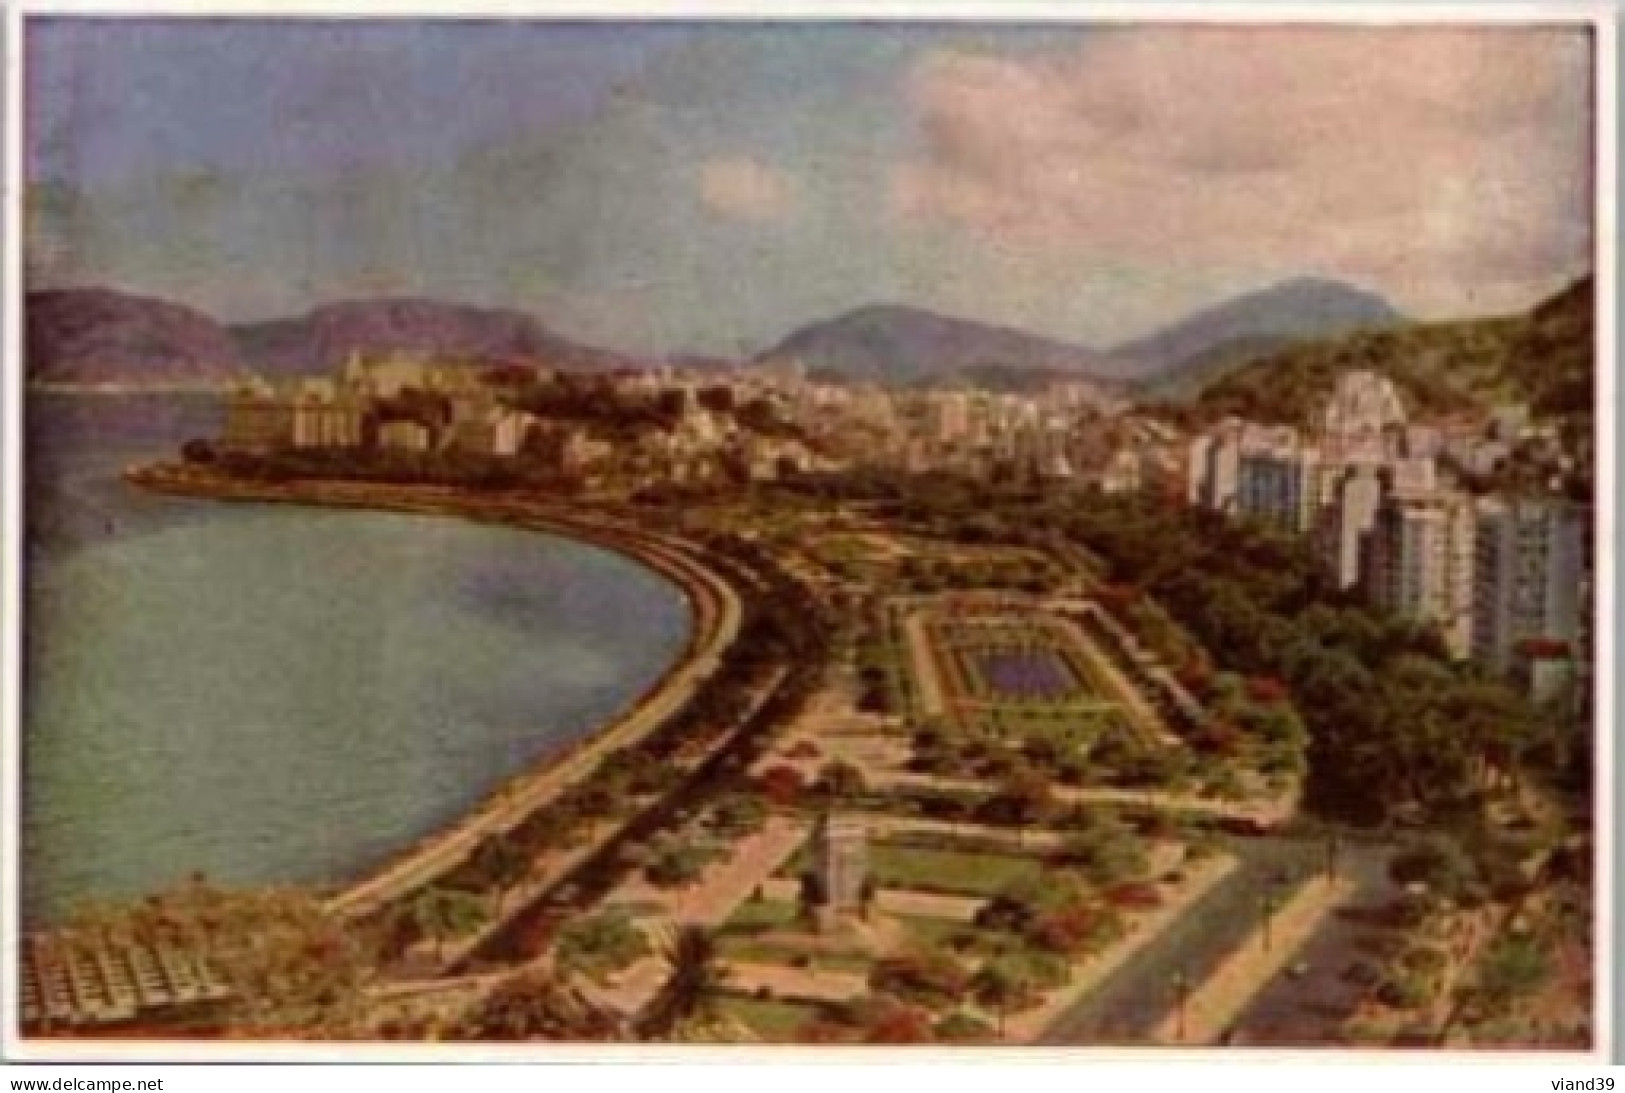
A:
[270,694]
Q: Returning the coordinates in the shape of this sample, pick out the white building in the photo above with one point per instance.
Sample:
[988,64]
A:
[1529,576]
[1357,418]
[1419,562]
[494,430]
[257,419]
[326,417]
[410,436]
[1122,473]
[1213,467]
[1348,520]
[1278,478]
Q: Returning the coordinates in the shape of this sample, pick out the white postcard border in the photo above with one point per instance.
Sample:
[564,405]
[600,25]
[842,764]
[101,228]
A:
[1602,17]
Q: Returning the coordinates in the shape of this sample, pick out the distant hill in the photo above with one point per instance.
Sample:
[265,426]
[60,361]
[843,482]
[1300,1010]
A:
[84,336]
[1544,356]
[897,345]
[323,339]
[1202,370]
[1553,357]
[700,362]
[1228,333]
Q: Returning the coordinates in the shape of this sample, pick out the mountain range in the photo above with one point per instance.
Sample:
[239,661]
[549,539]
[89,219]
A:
[324,338]
[1282,313]
[97,335]
[897,345]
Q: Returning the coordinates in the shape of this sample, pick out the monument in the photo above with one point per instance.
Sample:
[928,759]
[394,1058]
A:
[841,865]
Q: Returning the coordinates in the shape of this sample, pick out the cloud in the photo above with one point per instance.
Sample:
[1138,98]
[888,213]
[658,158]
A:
[745,189]
[1448,167]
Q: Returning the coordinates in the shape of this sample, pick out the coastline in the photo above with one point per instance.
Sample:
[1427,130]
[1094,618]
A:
[715,616]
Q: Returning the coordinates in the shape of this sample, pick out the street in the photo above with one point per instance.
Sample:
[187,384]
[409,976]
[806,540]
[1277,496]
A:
[1132,1001]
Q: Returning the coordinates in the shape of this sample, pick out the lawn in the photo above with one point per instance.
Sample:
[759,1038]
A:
[958,872]
[773,1020]
[756,915]
[751,951]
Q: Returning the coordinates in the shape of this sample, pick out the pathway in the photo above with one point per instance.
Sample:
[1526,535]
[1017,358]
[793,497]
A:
[897,901]
[725,884]
[787,982]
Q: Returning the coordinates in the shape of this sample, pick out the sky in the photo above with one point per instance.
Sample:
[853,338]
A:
[691,187]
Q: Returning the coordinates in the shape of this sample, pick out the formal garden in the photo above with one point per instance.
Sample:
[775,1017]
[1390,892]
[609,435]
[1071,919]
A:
[958,937]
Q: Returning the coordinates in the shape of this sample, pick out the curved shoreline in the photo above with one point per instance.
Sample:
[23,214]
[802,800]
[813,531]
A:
[715,617]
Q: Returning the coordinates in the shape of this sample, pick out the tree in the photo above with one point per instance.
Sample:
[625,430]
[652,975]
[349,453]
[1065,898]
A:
[696,975]
[600,945]
[885,1020]
[740,813]
[444,913]
[290,965]
[1514,968]
[1438,861]
[959,1027]
[841,780]
[1109,861]
[536,1005]
[1077,924]
[676,865]
[499,862]
[1105,851]
[782,785]
[926,977]
[1024,799]
[1004,986]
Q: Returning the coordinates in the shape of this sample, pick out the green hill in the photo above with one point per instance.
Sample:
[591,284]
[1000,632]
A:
[1543,357]
[1554,361]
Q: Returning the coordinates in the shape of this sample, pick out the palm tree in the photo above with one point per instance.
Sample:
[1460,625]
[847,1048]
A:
[696,973]
[502,863]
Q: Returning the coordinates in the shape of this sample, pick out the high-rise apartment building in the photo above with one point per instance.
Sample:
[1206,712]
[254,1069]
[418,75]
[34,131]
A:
[1529,577]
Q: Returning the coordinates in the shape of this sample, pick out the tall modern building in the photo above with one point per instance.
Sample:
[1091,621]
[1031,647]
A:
[1347,521]
[1198,468]
[1213,467]
[1278,480]
[1419,562]
[1529,578]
